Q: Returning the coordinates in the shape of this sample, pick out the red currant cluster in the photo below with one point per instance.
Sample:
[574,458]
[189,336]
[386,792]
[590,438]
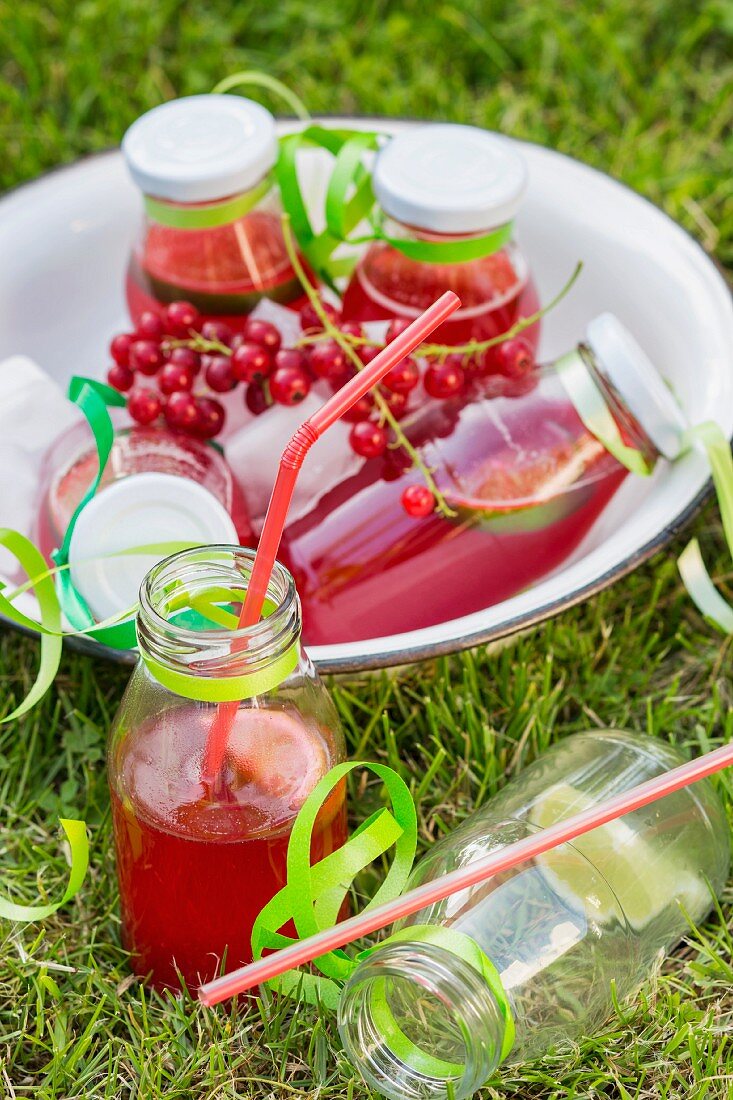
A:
[167,348]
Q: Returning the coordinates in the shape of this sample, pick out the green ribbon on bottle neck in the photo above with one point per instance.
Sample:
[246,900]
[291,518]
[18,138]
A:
[207,215]
[707,437]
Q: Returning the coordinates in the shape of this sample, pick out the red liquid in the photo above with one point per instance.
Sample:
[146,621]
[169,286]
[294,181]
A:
[495,292]
[194,872]
[527,481]
[224,271]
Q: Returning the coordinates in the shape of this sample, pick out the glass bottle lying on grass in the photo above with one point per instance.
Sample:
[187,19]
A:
[201,848]
[508,969]
[517,482]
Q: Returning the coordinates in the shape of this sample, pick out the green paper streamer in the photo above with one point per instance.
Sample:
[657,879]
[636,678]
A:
[258,79]
[76,834]
[313,895]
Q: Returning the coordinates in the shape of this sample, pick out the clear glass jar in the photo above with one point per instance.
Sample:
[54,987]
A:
[557,930]
[70,465]
[446,184]
[212,232]
[198,856]
[522,475]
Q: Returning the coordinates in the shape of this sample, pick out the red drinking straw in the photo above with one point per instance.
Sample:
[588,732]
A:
[247,977]
[290,464]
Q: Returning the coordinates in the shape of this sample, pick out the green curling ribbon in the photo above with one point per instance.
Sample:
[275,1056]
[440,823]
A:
[207,215]
[453,943]
[258,79]
[709,436]
[314,894]
[33,565]
[76,834]
[350,200]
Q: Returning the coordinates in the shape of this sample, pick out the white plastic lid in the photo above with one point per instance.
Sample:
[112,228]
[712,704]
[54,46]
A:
[200,148]
[638,383]
[135,511]
[449,179]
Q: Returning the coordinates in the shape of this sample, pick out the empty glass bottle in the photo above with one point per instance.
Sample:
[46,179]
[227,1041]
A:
[514,966]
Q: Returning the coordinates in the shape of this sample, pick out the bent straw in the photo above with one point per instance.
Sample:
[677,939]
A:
[247,977]
[290,463]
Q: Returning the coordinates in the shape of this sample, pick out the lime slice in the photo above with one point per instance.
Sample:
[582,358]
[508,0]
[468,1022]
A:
[646,880]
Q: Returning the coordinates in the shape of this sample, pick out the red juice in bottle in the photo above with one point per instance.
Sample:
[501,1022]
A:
[212,231]
[194,873]
[453,186]
[523,477]
[199,855]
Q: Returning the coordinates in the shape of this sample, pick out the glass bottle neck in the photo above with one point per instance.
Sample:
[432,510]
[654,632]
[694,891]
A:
[631,429]
[415,1016]
[189,610]
[394,228]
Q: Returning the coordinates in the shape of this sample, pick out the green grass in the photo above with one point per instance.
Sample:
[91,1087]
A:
[640,88]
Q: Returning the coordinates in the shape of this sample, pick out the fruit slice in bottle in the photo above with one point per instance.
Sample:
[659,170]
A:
[275,751]
[640,875]
[513,493]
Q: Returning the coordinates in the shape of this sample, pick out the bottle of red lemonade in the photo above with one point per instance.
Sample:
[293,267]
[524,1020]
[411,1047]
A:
[523,480]
[458,187]
[211,233]
[199,854]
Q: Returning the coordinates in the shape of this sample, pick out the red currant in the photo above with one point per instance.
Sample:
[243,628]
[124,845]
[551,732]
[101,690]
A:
[289,385]
[396,326]
[211,417]
[174,378]
[219,374]
[255,398]
[514,358]
[418,501]
[150,326]
[327,360]
[251,363]
[180,318]
[146,356]
[120,377]
[186,357]
[403,377]
[367,352]
[397,403]
[311,322]
[351,328]
[264,334]
[218,331]
[444,379]
[144,406]
[291,357]
[181,411]
[368,439]
[119,348]
[362,410]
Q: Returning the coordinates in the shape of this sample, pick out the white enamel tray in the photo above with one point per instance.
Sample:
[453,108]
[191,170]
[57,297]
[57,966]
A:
[64,240]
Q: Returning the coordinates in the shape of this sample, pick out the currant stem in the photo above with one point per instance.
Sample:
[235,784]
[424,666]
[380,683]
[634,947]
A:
[345,343]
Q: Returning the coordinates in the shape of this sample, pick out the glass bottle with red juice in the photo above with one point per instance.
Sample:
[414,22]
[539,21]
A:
[198,855]
[447,198]
[524,480]
[212,232]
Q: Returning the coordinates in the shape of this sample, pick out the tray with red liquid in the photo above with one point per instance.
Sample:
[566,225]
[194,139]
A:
[70,232]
